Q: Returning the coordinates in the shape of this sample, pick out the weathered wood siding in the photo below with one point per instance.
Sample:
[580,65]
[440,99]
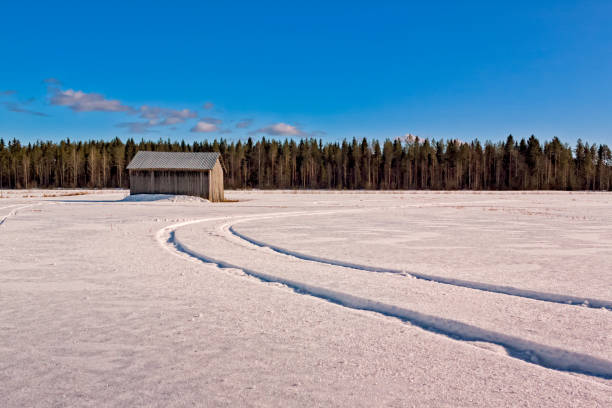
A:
[216,183]
[194,183]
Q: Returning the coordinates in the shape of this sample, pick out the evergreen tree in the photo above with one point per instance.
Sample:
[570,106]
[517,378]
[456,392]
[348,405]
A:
[310,163]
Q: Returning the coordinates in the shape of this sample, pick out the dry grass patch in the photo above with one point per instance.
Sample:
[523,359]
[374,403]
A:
[64,194]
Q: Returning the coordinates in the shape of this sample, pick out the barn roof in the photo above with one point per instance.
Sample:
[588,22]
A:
[173,161]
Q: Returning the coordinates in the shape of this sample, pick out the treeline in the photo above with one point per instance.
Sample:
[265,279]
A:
[309,163]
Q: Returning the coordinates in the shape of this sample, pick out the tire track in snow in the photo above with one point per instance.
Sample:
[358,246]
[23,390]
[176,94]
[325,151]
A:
[529,351]
[9,206]
[13,212]
[485,287]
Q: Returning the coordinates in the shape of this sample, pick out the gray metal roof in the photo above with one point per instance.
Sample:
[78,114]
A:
[173,161]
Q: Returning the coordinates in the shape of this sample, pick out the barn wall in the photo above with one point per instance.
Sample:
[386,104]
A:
[194,183]
[216,183]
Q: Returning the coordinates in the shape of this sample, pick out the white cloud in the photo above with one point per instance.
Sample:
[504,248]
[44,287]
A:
[280,129]
[244,123]
[410,138]
[153,116]
[80,101]
[148,112]
[407,138]
[208,105]
[164,116]
[172,121]
[204,127]
[18,108]
[214,121]
[52,81]
[136,127]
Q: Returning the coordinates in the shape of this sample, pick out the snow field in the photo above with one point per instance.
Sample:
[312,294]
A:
[543,243]
[566,342]
[96,310]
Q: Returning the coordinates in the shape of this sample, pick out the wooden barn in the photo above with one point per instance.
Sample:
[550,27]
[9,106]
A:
[194,174]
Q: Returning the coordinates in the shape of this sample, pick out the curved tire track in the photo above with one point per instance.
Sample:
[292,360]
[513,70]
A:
[516,347]
[485,287]
[14,212]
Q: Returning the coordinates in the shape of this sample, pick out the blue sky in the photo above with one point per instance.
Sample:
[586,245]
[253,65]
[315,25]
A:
[205,70]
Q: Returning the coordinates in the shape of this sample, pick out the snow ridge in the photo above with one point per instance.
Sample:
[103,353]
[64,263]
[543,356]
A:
[506,290]
[529,351]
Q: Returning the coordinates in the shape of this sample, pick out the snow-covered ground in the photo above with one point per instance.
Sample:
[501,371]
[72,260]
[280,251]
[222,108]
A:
[306,299]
